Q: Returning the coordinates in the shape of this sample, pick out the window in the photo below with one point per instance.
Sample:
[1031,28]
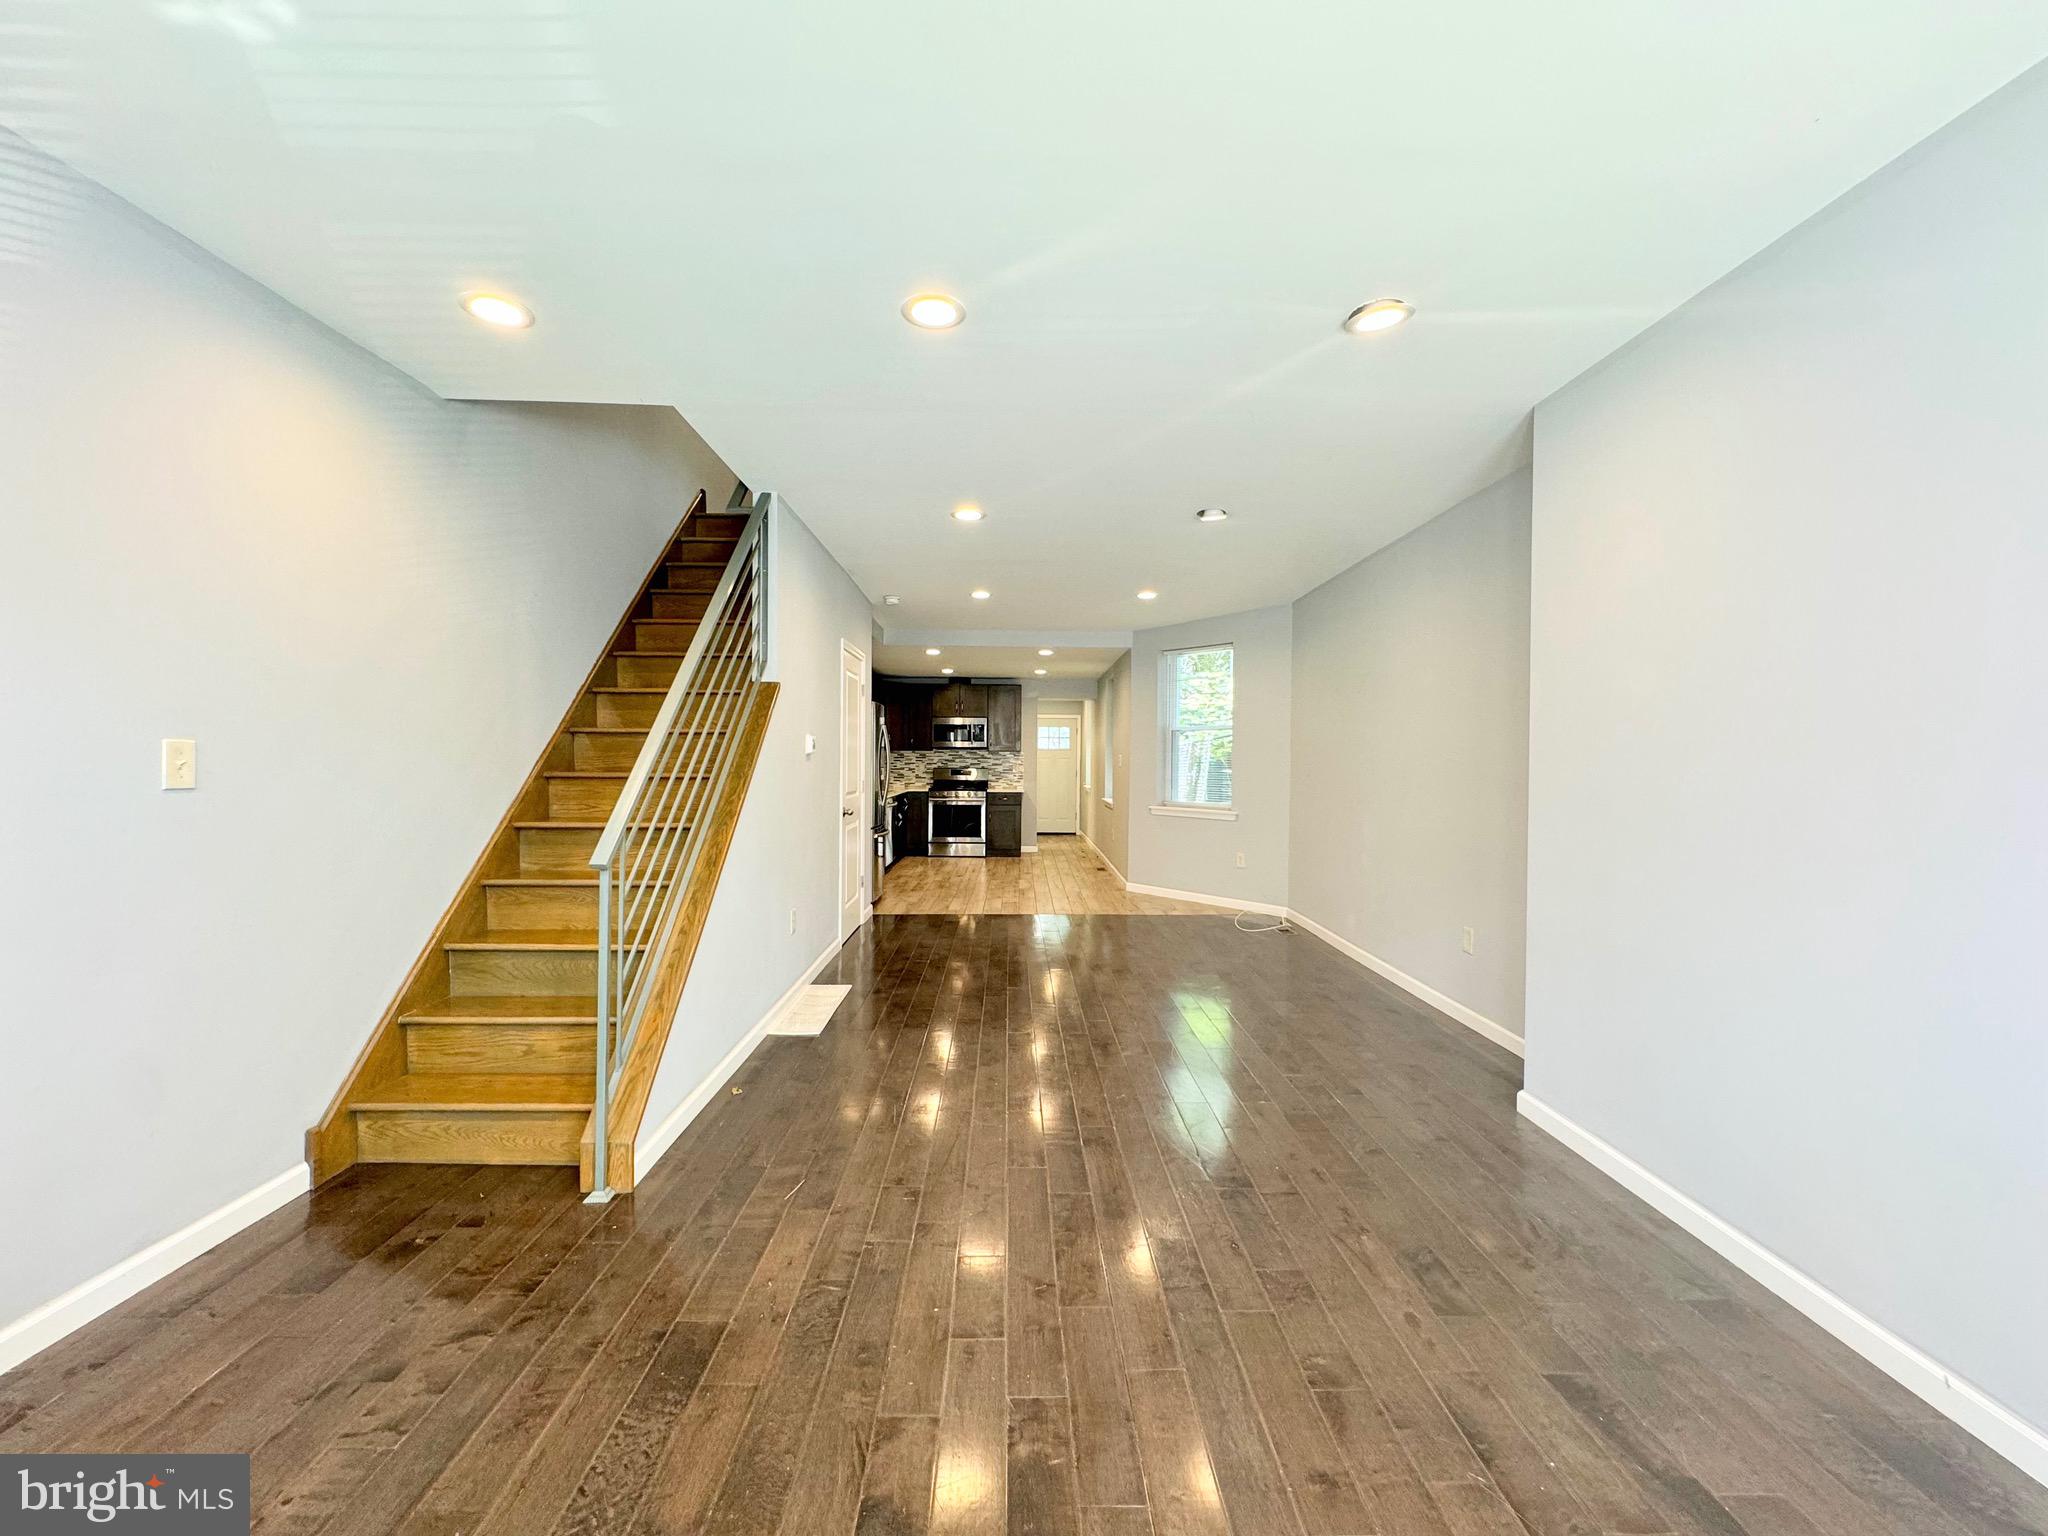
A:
[1055,738]
[1198,726]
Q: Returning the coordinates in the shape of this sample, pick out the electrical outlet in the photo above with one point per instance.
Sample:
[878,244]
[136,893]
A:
[1470,940]
[181,764]
[1240,861]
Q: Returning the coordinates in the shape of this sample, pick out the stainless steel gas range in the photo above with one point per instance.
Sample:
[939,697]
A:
[958,815]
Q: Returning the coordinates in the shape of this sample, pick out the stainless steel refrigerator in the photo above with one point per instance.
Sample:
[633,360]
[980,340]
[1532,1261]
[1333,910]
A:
[885,849]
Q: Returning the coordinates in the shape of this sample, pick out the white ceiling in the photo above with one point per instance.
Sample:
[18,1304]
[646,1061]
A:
[1157,213]
[1076,663]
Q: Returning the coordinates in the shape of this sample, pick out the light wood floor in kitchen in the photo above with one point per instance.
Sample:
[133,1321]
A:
[1064,876]
[1065,1226]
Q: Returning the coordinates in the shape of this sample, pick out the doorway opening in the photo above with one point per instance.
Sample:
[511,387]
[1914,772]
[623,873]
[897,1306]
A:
[1058,746]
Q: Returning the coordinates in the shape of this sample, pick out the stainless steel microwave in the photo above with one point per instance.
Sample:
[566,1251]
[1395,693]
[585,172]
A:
[960,731]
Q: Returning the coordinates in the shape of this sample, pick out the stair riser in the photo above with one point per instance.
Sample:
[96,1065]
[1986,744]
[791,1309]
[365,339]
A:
[522,972]
[555,850]
[647,671]
[679,605]
[719,549]
[693,578]
[607,754]
[586,799]
[512,908]
[663,634]
[635,710]
[583,799]
[501,1048]
[550,1138]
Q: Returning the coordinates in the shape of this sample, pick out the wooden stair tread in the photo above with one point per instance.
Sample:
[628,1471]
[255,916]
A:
[578,825]
[557,879]
[505,1010]
[610,773]
[535,938]
[458,1091]
[660,692]
[633,730]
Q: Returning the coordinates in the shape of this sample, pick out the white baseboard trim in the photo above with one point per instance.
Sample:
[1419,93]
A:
[38,1330]
[1237,903]
[649,1148]
[2024,1445]
[1104,857]
[1471,1018]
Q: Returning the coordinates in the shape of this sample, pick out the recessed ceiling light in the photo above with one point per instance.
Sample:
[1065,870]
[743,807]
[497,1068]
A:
[967,512]
[1147,595]
[496,309]
[934,311]
[1211,515]
[946,671]
[979,594]
[891,599]
[1038,671]
[1379,315]
[1043,651]
[931,650]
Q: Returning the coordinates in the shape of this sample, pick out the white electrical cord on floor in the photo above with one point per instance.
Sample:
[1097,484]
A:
[1278,925]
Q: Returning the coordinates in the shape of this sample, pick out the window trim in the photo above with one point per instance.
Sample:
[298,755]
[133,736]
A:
[1207,810]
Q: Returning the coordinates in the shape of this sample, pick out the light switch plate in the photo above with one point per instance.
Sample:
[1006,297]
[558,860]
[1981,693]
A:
[810,744]
[181,764]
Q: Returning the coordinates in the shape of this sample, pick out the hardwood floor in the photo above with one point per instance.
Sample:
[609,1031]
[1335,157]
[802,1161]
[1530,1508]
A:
[1064,876]
[1107,1225]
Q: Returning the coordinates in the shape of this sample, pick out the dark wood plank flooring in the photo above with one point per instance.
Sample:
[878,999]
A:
[1113,1225]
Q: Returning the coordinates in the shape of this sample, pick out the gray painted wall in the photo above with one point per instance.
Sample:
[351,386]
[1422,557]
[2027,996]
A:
[368,606]
[1106,807]
[1410,764]
[1185,854]
[1788,840]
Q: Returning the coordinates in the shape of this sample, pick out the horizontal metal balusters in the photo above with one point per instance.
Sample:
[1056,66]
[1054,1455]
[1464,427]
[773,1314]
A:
[649,850]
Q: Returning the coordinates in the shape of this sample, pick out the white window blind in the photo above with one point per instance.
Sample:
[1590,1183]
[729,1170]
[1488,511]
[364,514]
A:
[1198,726]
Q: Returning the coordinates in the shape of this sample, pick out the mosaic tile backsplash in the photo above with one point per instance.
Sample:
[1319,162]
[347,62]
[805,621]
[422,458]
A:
[916,770]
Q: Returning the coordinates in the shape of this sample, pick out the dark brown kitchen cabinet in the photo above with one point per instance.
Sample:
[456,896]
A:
[1006,717]
[1005,824]
[961,701]
[911,824]
[907,711]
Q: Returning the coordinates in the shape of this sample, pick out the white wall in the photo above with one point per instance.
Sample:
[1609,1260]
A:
[1183,853]
[368,606]
[1411,752]
[1788,834]
[785,852]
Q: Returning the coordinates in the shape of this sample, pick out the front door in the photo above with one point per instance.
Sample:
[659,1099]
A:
[1059,773]
[855,835]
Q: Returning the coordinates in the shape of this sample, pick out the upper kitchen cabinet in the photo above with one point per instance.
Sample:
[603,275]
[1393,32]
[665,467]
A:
[1006,717]
[907,711]
[961,701]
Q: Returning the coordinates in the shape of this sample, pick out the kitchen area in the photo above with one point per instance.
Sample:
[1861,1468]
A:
[950,770]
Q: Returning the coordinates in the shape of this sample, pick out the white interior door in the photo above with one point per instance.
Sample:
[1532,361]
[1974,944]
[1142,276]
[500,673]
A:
[1059,773]
[855,727]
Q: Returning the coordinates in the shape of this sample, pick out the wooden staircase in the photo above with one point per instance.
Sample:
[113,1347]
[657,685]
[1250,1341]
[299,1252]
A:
[488,1054]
